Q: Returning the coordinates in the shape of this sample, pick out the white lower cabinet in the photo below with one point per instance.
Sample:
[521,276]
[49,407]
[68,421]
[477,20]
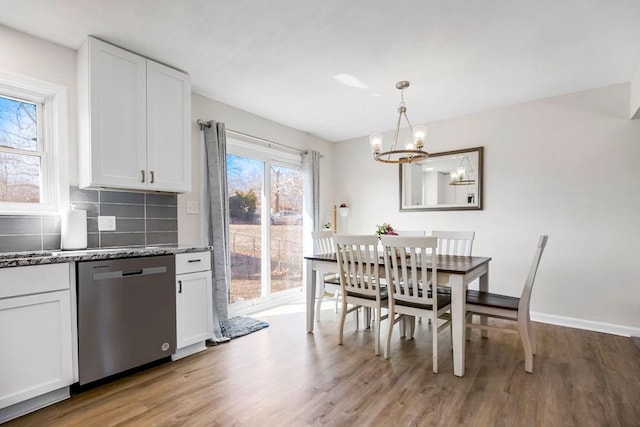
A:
[36,332]
[194,303]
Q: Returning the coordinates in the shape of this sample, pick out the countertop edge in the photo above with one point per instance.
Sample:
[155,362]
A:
[47,257]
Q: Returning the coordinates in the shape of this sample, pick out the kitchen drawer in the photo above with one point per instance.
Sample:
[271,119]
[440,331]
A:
[16,281]
[193,262]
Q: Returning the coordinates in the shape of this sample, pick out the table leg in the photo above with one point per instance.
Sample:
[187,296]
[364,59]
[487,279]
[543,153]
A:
[458,297]
[311,294]
[321,290]
[484,287]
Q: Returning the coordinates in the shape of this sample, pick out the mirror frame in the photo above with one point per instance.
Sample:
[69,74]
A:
[480,151]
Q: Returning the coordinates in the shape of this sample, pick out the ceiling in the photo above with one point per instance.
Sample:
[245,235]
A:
[277,58]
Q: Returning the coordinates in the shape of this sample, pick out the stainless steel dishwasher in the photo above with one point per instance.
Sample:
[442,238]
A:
[126,314]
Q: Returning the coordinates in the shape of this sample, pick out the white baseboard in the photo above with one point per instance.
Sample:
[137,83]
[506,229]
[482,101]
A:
[589,325]
[189,350]
[22,408]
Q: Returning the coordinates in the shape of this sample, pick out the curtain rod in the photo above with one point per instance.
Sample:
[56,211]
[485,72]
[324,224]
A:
[204,124]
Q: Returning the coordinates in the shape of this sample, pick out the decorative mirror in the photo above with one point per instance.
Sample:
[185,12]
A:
[444,181]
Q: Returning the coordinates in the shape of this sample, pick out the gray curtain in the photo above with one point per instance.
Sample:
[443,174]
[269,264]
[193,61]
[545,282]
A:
[311,166]
[217,212]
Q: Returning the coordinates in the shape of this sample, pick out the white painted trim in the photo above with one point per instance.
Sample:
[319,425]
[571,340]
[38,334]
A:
[588,325]
[22,408]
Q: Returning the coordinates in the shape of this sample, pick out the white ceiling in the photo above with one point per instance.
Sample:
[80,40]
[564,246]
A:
[277,58]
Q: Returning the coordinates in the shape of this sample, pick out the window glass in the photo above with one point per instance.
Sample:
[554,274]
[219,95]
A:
[19,178]
[21,154]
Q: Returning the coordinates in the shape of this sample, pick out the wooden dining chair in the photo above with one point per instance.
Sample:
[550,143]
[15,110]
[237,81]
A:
[358,260]
[323,244]
[510,308]
[409,294]
[454,242]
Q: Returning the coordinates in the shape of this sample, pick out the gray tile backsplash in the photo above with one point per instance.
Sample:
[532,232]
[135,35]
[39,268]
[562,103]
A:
[142,219]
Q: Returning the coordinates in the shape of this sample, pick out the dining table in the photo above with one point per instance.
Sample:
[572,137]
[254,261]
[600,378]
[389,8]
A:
[454,271]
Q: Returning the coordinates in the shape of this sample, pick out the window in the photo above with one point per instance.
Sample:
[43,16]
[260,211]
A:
[266,230]
[21,151]
[32,125]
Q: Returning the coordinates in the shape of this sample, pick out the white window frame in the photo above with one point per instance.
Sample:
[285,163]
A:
[52,137]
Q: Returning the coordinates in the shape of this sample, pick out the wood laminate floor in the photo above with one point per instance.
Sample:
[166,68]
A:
[282,376]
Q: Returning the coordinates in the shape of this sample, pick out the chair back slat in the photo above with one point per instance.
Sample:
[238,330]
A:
[358,260]
[525,298]
[454,242]
[407,279]
[322,242]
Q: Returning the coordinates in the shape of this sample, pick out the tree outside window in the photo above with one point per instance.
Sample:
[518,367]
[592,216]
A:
[21,152]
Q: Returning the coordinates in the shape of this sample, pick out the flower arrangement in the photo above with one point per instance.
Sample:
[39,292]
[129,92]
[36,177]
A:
[343,205]
[327,225]
[385,229]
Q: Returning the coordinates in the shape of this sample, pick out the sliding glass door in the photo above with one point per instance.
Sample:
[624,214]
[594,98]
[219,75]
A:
[245,179]
[265,209]
[286,228]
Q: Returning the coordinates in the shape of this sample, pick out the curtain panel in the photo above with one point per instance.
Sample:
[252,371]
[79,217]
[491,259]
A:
[217,212]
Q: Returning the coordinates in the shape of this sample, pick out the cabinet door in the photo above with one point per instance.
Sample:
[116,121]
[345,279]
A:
[36,356]
[168,130]
[117,98]
[194,313]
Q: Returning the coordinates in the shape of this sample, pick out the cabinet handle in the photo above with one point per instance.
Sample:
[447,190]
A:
[179,286]
[153,178]
[142,172]
[194,260]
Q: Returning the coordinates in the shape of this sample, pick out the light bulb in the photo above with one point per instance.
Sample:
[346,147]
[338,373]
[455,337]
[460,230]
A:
[461,171]
[375,139]
[419,132]
[410,146]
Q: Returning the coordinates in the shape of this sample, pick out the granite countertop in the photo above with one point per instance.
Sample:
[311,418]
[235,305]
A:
[17,259]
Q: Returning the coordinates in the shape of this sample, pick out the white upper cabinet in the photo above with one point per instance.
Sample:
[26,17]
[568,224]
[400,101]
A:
[168,116]
[134,121]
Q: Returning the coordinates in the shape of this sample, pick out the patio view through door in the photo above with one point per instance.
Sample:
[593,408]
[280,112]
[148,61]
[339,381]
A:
[265,231]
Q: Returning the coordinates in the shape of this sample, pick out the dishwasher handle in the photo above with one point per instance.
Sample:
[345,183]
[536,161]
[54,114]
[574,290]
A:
[120,274]
[132,273]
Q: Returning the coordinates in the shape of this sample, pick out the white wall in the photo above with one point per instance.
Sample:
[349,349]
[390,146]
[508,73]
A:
[567,166]
[27,56]
[634,110]
[190,227]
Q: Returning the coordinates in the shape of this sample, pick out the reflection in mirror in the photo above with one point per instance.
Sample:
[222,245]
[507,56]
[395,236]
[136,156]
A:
[444,181]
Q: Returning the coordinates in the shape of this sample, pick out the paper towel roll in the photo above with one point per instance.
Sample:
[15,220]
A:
[74,230]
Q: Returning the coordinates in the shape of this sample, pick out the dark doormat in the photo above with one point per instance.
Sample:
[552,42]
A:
[240,326]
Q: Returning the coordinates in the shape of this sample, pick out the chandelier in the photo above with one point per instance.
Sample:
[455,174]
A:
[413,149]
[463,175]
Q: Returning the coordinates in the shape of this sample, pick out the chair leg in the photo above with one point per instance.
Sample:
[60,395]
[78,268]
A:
[434,332]
[467,335]
[526,343]
[343,318]
[532,334]
[412,325]
[367,317]
[391,322]
[336,296]
[377,331]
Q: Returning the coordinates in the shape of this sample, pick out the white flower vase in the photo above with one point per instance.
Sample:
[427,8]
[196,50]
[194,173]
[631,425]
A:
[344,212]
